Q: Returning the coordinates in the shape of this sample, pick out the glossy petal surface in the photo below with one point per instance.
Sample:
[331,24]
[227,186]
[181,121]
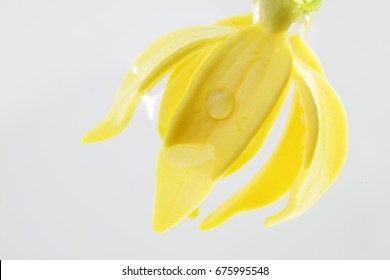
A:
[330,152]
[177,86]
[148,70]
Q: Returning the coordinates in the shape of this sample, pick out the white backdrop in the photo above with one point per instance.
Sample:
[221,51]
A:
[61,63]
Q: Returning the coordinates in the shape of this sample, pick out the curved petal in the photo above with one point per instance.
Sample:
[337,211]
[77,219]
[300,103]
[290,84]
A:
[236,21]
[177,86]
[183,178]
[331,149]
[280,172]
[305,53]
[194,214]
[244,77]
[148,70]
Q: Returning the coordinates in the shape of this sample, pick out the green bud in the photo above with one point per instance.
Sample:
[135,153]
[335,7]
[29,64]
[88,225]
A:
[278,15]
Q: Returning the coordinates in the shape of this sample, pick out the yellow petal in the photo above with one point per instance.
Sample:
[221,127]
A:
[331,148]
[305,53]
[148,70]
[258,141]
[229,100]
[236,21]
[194,214]
[177,86]
[281,170]
[183,177]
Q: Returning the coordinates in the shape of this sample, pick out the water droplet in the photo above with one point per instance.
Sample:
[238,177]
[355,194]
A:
[302,25]
[256,11]
[219,104]
[150,102]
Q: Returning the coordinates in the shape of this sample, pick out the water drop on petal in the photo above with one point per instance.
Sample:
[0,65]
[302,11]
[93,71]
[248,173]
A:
[219,104]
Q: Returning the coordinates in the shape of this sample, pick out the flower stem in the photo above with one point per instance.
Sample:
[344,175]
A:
[278,15]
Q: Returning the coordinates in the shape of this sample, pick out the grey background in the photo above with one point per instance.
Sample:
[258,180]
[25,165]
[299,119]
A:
[61,63]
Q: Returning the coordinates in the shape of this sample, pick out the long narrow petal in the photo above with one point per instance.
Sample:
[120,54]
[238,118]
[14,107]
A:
[331,149]
[305,53]
[183,178]
[236,21]
[280,172]
[148,70]
[177,86]
[229,100]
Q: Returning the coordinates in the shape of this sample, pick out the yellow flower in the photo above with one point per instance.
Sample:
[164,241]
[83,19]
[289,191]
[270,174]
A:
[228,84]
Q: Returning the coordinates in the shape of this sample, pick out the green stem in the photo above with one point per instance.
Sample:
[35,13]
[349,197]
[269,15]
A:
[278,15]
[311,5]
